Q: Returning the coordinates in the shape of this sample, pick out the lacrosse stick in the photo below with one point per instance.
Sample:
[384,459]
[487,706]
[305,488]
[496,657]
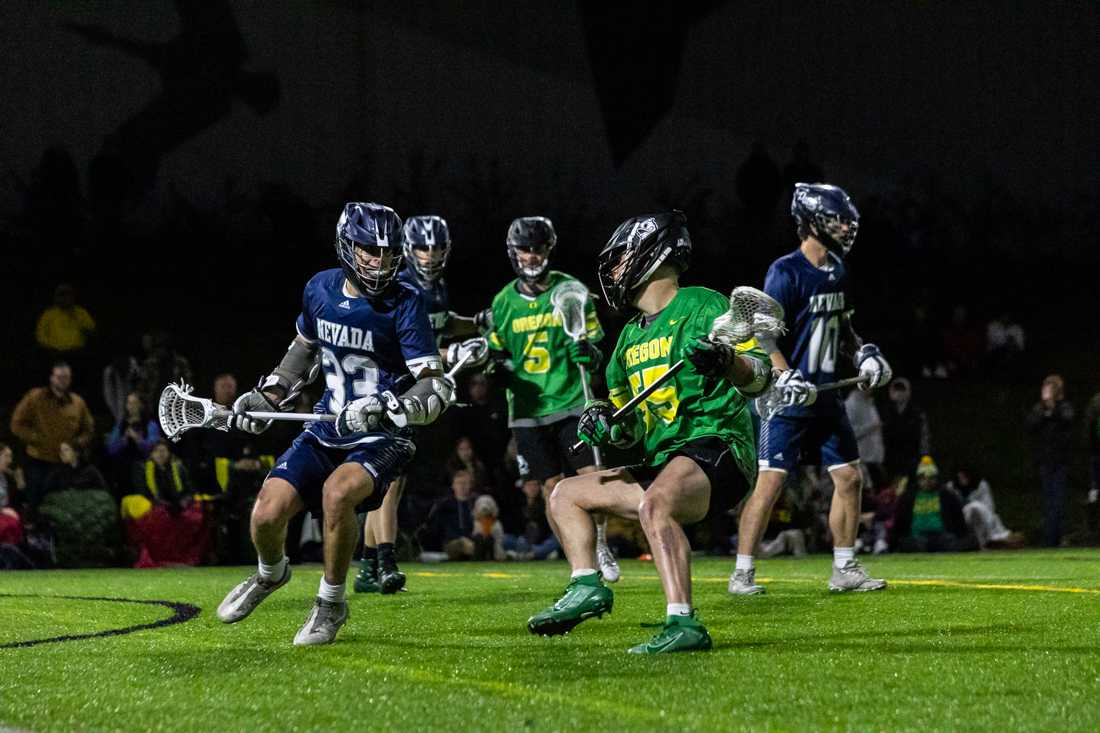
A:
[771,402]
[180,411]
[569,300]
[752,313]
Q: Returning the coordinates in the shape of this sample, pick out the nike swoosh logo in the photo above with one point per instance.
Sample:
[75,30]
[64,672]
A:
[669,643]
[673,321]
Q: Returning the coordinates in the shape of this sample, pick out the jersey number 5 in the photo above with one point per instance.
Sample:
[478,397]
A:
[536,359]
[822,356]
[358,370]
[663,403]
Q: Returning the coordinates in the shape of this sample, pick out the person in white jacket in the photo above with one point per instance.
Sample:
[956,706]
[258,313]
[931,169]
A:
[980,511]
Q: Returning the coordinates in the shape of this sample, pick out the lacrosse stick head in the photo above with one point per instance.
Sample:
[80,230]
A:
[569,300]
[179,411]
[752,312]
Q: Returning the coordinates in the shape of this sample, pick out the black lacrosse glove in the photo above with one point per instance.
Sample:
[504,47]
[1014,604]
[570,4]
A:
[585,354]
[594,425]
[483,320]
[709,358]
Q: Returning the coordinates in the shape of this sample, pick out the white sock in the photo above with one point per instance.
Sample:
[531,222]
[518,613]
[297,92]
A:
[744,562]
[678,609]
[842,555]
[331,593]
[583,571]
[275,571]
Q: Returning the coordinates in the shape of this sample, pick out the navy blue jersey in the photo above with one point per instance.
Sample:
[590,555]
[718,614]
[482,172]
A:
[366,345]
[436,299]
[815,301]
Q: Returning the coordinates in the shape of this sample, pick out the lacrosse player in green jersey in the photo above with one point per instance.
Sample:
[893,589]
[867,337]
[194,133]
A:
[695,431]
[545,397]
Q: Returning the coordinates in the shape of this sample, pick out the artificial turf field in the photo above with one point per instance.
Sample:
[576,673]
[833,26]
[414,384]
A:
[991,641]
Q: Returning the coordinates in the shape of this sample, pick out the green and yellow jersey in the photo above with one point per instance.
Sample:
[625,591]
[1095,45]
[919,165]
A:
[544,386]
[689,406]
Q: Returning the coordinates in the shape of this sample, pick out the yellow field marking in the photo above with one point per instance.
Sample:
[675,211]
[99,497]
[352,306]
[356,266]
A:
[935,583]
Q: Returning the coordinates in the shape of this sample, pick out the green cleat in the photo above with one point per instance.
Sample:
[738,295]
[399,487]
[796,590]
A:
[366,580]
[582,600]
[679,634]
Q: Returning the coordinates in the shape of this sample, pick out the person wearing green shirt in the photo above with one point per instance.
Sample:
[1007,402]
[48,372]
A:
[545,397]
[695,431]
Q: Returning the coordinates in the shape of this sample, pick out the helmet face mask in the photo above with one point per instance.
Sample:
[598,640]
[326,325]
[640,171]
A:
[827,213]
[530,241]
[368,242]
[427,246]
[637,249]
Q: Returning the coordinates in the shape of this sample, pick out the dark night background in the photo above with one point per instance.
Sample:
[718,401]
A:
[183,164]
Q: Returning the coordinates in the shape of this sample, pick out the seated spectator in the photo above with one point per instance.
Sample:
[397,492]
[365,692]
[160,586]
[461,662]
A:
[73,473]
[163,521]
[979,511]
[536,527]
[489,537]
[930,519]
[465,459]
[11,481]
[130,440]
[451,522]
[45,418]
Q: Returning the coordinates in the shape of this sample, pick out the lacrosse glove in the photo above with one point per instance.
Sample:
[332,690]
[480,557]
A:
[709,358]
[870,362]
[360,416]
[585,354]
[794,389]
[483,320]
[477,347]
[253,401]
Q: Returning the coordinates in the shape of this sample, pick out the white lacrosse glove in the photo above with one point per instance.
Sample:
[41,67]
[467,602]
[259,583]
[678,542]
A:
[795,390]
[360,416]
[870,362]
[253,401]
[477,348]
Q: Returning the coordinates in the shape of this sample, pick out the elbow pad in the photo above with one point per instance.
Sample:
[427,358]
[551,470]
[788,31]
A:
[423,403]
[299,367]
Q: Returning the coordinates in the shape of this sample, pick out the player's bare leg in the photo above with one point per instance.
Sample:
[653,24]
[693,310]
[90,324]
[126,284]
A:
[754,521]
[679,495]
[571,507]
[547,487]
[605,559]
[848,574]
[276,503]
[344,489]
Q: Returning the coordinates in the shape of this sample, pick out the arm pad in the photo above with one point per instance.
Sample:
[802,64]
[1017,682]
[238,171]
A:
[426,400]
[298,368]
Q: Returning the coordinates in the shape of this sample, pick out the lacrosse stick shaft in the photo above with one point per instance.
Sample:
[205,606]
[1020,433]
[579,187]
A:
[841,384]
[638,399]
[586,387]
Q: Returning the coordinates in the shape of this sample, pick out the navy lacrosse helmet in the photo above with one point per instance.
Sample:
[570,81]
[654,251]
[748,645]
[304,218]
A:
[427,246]
[638,247]
[826,212]
[531,234]
[368,243]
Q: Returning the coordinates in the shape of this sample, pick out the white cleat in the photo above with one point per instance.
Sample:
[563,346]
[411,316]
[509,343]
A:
[852,578]
[743,583]
[609,566]
[243,599]
[323,622]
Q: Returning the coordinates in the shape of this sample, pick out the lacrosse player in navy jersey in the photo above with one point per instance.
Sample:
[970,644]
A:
[427,246]
[813,286]
[368,331]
